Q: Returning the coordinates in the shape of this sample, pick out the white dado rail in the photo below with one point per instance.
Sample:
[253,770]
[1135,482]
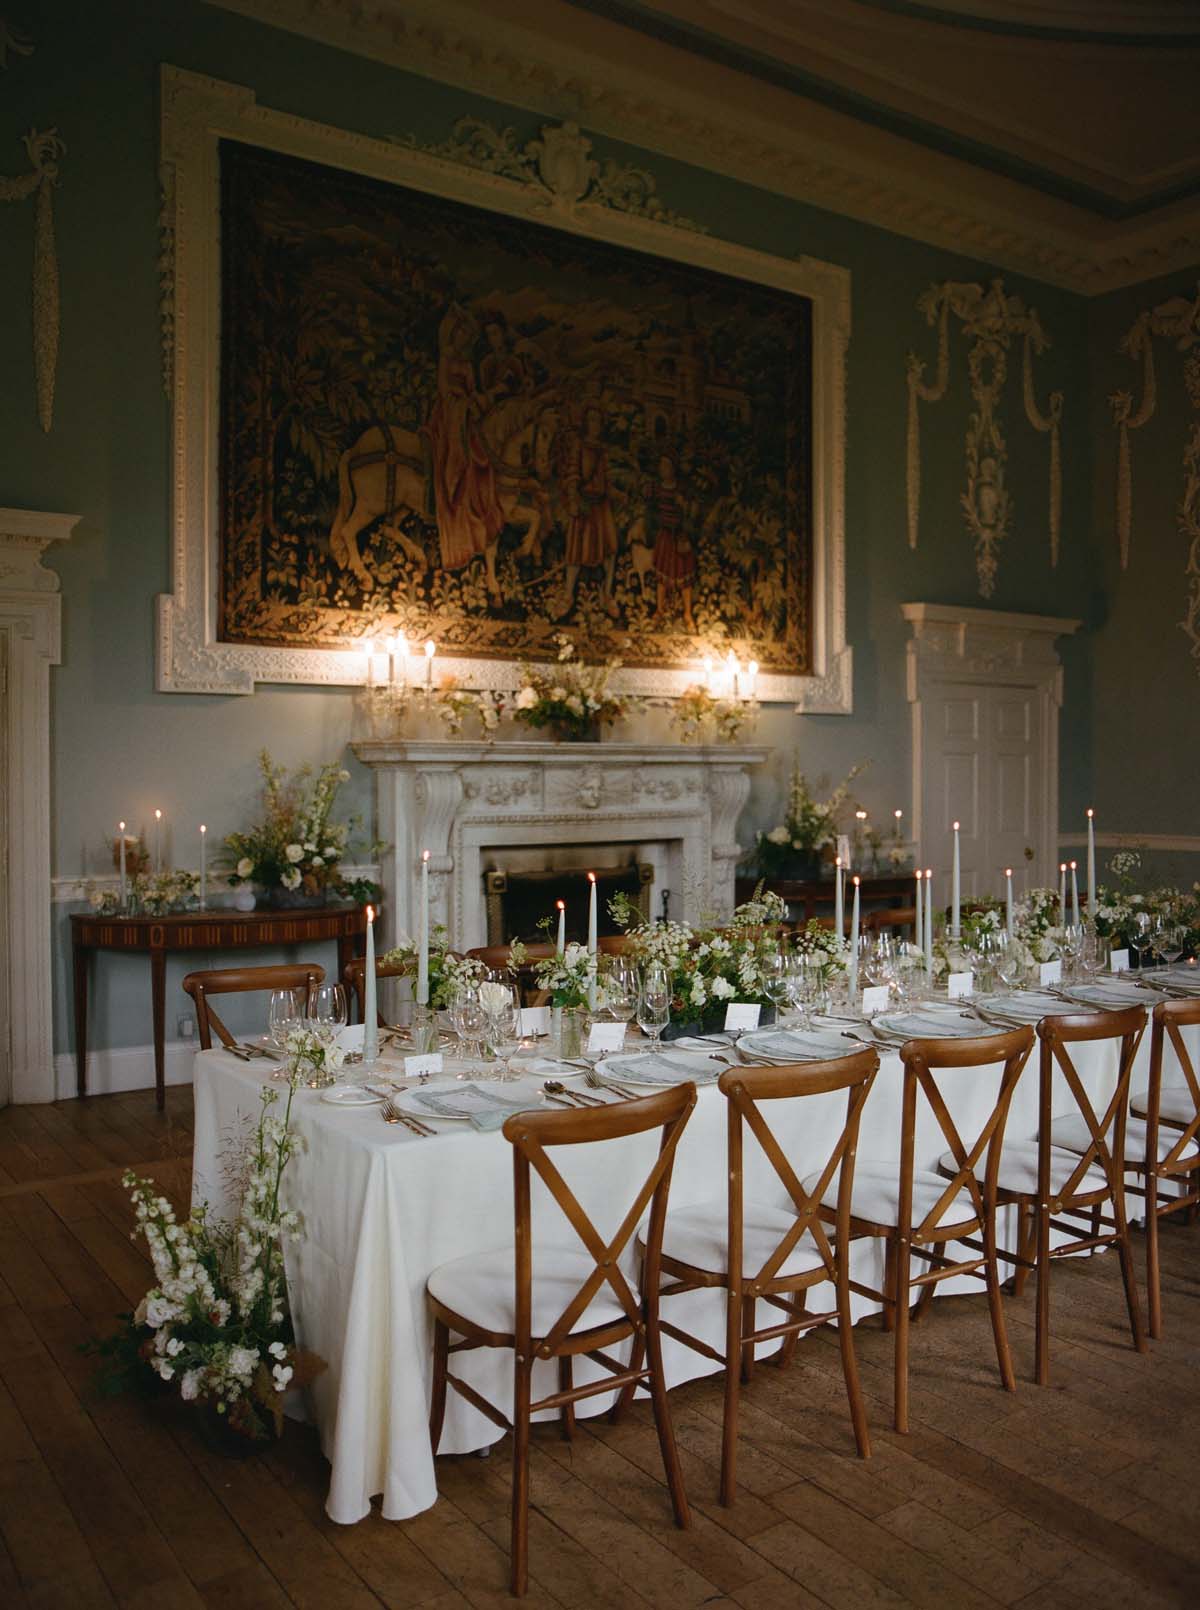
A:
[468,803]
[30,612]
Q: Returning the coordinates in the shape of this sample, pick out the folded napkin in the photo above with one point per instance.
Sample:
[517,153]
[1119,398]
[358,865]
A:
[704,1042]
[1112,994]
[485,1109]
[787,1045]
[929,1026]
[660,1068]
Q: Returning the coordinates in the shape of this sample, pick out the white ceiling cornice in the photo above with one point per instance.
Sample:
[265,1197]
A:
[547,60]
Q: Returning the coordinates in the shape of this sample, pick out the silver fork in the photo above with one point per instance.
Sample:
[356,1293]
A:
[391,1114]
[591,1077]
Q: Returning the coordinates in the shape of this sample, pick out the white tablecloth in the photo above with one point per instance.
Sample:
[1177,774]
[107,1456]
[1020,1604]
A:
[383,1208]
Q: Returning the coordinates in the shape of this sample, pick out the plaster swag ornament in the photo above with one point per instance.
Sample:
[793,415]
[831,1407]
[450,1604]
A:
[43,151]
[1178,319]
[990,321]
[559,165]
[12,42]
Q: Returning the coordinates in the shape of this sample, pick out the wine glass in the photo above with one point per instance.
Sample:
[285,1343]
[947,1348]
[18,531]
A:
[1010,962]
[619,989]
[327,1010]
[1141,940]
[468,1018]
[1168,942]
[1093,955]
[501,1001]
[777,982]
[1070,947]
[654,1003]
[285,1013]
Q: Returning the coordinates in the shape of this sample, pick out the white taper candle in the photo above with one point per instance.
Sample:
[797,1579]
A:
[121,831]
[423,934]
[1074,894]
[1091,861]
[562,925]
[370,1009]
[955,891]
[852,964]
[839,910]
[1008,901]
[592,938]
[919,926]
[203,867]
[929,920]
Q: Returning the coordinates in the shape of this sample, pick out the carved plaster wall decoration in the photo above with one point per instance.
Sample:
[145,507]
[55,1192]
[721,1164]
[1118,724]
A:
[14,42]
[1177,319]
[43,151]
[559,166]
[990,321]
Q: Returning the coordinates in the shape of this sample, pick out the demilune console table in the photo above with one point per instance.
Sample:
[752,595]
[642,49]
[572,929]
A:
[198,930]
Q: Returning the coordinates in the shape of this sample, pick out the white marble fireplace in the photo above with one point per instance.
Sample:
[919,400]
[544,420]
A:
[677,805]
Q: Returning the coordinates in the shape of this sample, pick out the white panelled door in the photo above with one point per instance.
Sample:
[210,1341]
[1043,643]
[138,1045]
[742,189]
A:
[985,689]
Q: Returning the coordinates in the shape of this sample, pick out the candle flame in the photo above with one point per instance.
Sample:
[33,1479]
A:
[1074,864]
[430,649]
[591,877]
[1062,866]
[1090,811]
[158,816]
[897,814]
[918,874]
[120,827]
[928,871]
[424,855]
[561,904]
[753,667]
[1008,872]
[956,827]
[857,881]
[370,913]
[837,860]
[203,829]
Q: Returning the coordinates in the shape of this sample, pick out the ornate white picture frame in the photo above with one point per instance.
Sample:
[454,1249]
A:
[551,181]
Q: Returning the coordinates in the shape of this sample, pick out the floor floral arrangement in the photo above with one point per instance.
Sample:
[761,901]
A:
[215,1326]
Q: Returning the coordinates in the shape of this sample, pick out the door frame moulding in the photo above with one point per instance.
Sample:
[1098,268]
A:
[988,648]
[198,112]
[31,618]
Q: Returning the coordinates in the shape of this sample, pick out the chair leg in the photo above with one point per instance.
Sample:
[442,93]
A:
[787,1347]
[749,1308]
[996,1304]
[858,1408]
[441,1363]
[1153,1276]
[564,1385]
[626,1395]
[733,1380]
[519,1560]
[1125,1251]
[662,1424]
[1042,1334]
[901,1266]
[889,1282]
[921,1307]
[1026,1245]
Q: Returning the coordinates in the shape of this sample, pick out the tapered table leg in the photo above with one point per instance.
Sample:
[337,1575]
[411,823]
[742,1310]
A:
[158,990]
[80,961]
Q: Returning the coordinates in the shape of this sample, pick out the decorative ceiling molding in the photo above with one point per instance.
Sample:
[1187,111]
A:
[811,154]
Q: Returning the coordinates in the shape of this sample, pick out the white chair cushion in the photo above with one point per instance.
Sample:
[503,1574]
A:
[1072,1132]
[1174,1102]
[876,1194]
[699,1236]
[481,1287]
[1019,1169]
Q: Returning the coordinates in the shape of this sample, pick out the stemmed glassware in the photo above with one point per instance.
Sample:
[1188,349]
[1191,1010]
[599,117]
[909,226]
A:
[501,1001]
[1093,954]
[777,983]
[1141,940]
[1168,938]
[468,1018]
[618,989]
[1009,961]
[1071,945]
[285,1013]
[654,1003]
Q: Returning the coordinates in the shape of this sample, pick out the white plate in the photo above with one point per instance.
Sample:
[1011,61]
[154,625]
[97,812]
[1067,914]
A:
[801,1045]
[350,1096]
[518,1093]
[536,1067]
[628,1068]
[930,1024]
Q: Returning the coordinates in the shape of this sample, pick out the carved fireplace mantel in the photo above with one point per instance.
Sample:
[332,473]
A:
[467,803]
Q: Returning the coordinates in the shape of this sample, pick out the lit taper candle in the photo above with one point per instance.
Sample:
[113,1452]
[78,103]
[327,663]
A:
[852,964]
[1062,894]
[839,912]
[592,938]
[158,841]
[203,867]
[370,1052]
[1008,901]
[919,927]
[929,920]
[1074,894]
[124,887]
[1091,861]
[423,935]
[562,925]
[955,890]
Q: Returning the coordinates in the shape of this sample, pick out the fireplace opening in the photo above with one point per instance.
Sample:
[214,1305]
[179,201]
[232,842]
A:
[517,900]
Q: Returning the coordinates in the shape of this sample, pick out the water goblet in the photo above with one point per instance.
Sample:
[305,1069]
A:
[1093,954]
[285,1014]
[502,1003]
[654,1003]
[1070,947]
[1141,940]
[777,983]
[619,989]
[1168,942]
[1010,962]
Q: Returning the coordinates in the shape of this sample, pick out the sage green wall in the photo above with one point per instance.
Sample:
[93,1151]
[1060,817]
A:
[1147,683]
[119,748]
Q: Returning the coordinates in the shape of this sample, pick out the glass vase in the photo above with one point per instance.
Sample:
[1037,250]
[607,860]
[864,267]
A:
[569,1025]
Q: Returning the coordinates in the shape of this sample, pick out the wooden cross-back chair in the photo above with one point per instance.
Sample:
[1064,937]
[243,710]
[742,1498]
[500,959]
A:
[500,956]
[773,1254]
[893,918]
[1076,1167]
[918,1213]
[354,976]
[243,981]
[558,1302]
[1165,1130]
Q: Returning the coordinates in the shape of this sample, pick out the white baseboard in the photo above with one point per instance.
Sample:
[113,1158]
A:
[124,1067]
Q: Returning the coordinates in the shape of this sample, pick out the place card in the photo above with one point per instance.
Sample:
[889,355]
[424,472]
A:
[605,1037]
[740,1015]
[351,1037]
[960,984]
[535,1020]
[874,999]
[1118,961]
[1050,972]
[431,1062]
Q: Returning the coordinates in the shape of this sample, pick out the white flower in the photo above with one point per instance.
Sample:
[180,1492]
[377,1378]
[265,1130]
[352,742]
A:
[317,861]
[722,989]
[245,867]
[330,852]
[527,698]
[294,852]
[278,1350]
[166,1370]
[243,1361]
[778,835]
[558,694]
[291,878]
[158,1310]
[335,1056]
[575,704]
[189,1385]
[96,899]
[282,1374]
[174,1347]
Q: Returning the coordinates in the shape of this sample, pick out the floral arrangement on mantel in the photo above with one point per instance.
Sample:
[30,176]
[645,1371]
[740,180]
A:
[711,965]
[152,894]
[457,705]
[808,825]
[296,848]
[446,969]
[216,1324]
[568,696]
[697,708]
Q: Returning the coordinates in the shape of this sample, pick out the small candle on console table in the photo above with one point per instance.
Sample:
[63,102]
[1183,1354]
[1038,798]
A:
[852,963]
[370,1052]
[158,841]
[752,681]
[1091,861]
[839,914]
[955,890]
[562,925]
[592,938]
[121,833]
[929,920]
[919,927]
[1074,895]
[423,934]
[399,663]
[430,651]
[1062,894]
[1008,901]
[203,867]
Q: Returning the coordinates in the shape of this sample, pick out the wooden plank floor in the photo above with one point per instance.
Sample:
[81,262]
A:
[1084,1493]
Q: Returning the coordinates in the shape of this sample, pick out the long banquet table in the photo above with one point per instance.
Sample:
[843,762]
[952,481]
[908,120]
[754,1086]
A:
[382,1208]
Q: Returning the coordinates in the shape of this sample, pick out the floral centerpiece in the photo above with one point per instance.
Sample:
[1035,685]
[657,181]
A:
[1120,906]
[294,852]
[568,975]
[216,1324]
[456,706]
[154,894]
[711,965]
[793,847]
[446,970]
[697,709]
[569,697]
[1037,924]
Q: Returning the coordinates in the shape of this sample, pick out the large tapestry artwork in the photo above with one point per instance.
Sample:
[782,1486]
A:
[446,421]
